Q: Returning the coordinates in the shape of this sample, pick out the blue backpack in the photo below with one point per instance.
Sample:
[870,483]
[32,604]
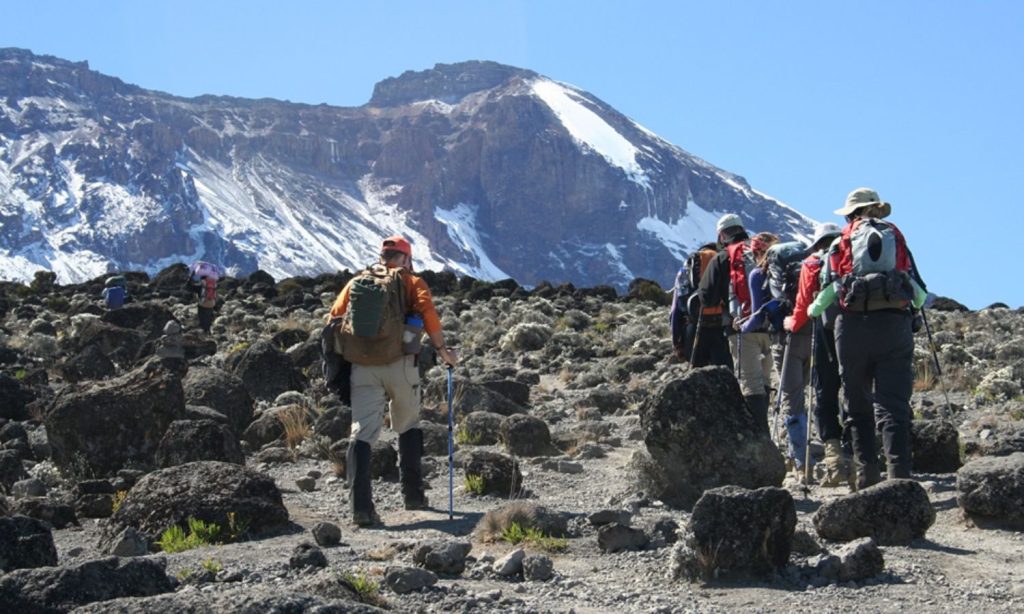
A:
[114,297]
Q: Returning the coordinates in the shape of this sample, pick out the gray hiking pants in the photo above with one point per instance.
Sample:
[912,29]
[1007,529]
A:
[794,371]
[752,354]
[392,388]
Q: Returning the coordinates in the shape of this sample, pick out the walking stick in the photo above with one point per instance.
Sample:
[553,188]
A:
[778,396]
[696,337]
[451,447]
[810,405]
[935,358]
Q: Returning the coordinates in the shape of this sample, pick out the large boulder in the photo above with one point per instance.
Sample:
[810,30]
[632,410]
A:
[498,474]
[525,435]
[699,435]
[266,371]
[471,397]
[11,469]
[89,363]
[13,398]
[198,440]
[25,542]
[936,446]
[54,590]
[743,530]
[210,491]
[481,428]
[119,344]
[895,512]
[147,318]
[991,490]
[219,390]
[106,425]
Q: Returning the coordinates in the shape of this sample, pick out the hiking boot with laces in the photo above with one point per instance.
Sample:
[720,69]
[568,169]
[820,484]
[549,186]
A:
[835,472]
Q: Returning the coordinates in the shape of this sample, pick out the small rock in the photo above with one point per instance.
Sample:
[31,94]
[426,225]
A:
[603,517]
[448,557]
[667,528]
[307,555]
[306,484]
[129,543]
[538,568]
[570,467]
[616,537]
[326,534]
[404,580]
[860,560]
[511,564]
[313,473]
[32,487]
[804,543]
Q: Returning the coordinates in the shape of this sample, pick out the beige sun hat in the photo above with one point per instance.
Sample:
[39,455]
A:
[863,197]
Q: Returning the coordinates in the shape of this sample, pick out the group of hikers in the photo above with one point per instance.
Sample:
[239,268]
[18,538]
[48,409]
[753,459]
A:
[202,281]
[838,313]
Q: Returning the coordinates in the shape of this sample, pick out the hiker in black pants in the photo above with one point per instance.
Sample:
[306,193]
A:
[871,273]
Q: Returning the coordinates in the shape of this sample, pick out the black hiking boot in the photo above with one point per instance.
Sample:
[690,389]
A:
[868,475]
[410,450]
[358,470]
[898,472]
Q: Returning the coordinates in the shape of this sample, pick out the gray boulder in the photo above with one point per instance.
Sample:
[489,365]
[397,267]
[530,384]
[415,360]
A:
[267,428]
[481,428]
[53,590]
[499,474]
[895,512]
[435,439]
[471,397]
[248,599]
[129,543]
[56,513]
[32,487]
[404,580]
[698,435]
[741,529]
[148,318]
[307,555]
[936,446]
[511,564]
[11,469]
[266,371]
[859,560]
[219,390]
[210,491]
[335,423]
[615,537]
[24,543]
[326,534]
[444,557]
[538,568]
[990,490]
[109,424]
[13,398]
[525,435]
[198,440]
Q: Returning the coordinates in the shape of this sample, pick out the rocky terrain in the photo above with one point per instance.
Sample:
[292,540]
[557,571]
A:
[614,468]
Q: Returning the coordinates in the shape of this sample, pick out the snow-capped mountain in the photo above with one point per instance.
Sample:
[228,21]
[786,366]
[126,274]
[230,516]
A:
[490,170]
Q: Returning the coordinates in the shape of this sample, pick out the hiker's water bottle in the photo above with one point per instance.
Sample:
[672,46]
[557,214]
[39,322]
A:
[413,334]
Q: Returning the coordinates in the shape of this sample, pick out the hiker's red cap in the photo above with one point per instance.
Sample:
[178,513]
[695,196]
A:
[397,243]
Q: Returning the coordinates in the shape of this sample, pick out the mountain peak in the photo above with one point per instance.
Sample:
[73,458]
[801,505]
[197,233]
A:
[445,82]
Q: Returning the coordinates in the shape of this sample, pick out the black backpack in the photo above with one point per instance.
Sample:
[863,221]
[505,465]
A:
[784,263]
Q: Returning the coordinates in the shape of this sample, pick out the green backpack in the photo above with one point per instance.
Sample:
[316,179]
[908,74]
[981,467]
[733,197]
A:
[371,329]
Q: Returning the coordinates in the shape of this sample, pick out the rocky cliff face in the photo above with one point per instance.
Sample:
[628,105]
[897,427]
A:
[490,170]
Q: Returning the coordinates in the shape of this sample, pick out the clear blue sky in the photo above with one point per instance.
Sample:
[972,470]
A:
[921,100]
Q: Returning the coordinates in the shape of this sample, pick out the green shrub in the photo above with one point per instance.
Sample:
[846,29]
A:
[200,533]
[475,484]
[516,534]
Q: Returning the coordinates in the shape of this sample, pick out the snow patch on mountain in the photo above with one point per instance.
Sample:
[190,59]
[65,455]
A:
[587,128]
[461,224]
[687,233]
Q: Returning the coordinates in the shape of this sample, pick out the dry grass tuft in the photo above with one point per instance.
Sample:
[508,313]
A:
[295,421]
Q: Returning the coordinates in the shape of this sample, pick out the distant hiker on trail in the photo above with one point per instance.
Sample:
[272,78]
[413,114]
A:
[871,273]
[698,333]
[828,413]
[206,293]
[115,292]
[725,281]
[376,307]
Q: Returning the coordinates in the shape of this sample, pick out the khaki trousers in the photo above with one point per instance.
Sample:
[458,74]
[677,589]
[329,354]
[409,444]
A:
[393,388]
[753,361]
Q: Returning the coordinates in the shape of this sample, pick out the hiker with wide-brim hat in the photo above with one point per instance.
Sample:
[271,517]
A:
[382,312]
[870,272]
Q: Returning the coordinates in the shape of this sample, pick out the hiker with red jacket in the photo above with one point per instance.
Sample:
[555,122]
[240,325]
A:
[725,283]
[828,414]
[871,274]
[385,376]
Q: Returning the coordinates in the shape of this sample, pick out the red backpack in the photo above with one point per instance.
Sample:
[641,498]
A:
[740,260]
[208,298]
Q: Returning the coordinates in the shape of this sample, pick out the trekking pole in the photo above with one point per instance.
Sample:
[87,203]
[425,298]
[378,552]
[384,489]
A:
[778,395]
[935,358]
[696,337]
[810,405]
[451,446]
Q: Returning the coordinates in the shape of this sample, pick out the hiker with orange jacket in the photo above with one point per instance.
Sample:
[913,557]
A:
[385,376]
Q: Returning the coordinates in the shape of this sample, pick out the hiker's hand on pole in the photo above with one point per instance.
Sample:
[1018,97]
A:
[449,356]
[788,324]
